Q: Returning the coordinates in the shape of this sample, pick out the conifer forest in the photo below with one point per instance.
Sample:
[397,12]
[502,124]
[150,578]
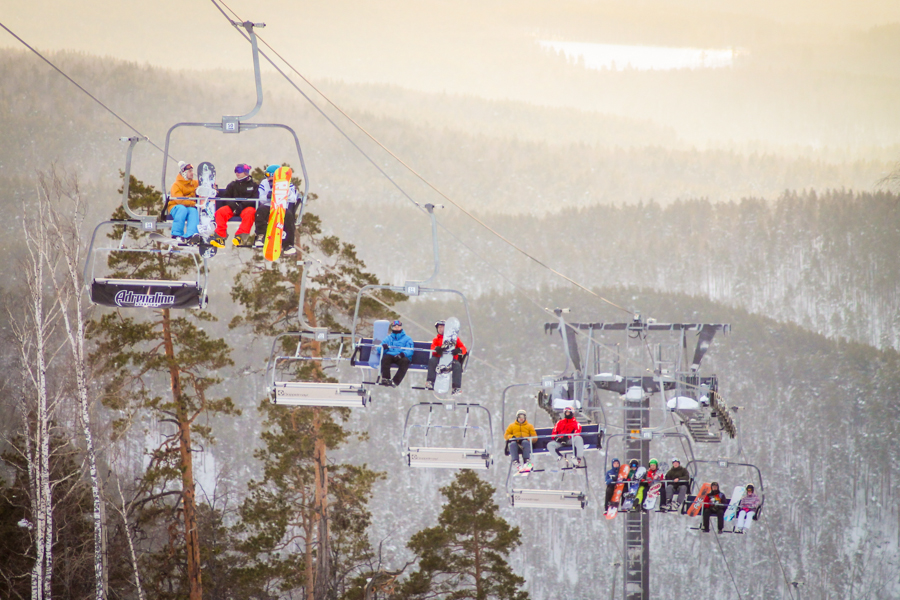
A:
[699,258]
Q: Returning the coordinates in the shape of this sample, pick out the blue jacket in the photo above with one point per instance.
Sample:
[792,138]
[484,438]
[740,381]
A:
[398,343]
[612,476]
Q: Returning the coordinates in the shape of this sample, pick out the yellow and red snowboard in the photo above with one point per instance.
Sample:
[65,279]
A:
[281,189]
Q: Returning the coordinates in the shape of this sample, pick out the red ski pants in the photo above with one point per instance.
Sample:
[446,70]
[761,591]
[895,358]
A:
[225,213]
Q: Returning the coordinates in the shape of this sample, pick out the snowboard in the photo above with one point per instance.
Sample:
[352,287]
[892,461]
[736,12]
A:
[617,493]
[633,486]
[381,329]
[697,504]
[445,366]
[524,470]
[206,206]
[281,189]
[652,496]
[736,496]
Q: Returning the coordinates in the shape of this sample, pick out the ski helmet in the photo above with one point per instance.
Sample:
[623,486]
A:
[270,170]
[675,459]
[396,323]
[568,410]
[653,461]
[750,488]
[438,324]
[634,462]
[184,166]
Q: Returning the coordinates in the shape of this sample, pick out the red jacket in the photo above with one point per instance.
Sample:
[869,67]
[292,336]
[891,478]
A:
[438,341]
[564,426]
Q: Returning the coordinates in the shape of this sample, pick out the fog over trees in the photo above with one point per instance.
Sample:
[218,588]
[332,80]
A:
[794,245]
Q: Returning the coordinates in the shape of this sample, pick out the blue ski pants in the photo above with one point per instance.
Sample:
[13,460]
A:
[185,220]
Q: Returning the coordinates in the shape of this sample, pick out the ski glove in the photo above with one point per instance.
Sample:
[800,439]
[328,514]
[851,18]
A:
[439,350]
[385,346]
[455,352]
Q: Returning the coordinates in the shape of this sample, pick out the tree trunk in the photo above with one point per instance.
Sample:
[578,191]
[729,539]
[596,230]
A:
[323,546]
[191,531]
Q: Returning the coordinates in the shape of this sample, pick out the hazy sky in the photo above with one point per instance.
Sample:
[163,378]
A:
[400,41]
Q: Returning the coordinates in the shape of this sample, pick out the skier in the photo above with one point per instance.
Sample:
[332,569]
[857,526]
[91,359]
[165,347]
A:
[612,480]
[437,349]
[241,187]
[565,433]
[185,217]
[520,435]
[678,479]
[398,349]
[652,475]
[714,504]
[262,214]
[746,510]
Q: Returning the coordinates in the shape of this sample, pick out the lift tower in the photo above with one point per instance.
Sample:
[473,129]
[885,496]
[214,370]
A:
[636,370]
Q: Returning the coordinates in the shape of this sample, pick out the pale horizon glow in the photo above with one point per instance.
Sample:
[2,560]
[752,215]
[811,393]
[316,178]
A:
[615,57]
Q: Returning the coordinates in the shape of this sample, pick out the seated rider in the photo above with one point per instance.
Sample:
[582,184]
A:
[714,504]
[265,206]
[747,508]
[520,435]
[612,480]
[566,434]
[242,187]
[678,479]
[185,217]
[437,349]
[398,350]
[653,475]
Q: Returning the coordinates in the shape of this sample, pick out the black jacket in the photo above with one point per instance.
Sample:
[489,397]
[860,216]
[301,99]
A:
[239,188]
[680,472]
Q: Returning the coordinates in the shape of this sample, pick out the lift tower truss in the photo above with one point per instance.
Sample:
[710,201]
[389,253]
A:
[636,370]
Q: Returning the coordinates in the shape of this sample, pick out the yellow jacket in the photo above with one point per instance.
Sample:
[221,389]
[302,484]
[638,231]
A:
[184,188]
[520,430]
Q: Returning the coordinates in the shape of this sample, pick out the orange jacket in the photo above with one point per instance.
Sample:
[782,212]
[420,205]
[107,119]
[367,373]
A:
[183,188]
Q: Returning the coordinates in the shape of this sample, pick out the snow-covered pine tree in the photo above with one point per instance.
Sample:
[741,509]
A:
[464,556]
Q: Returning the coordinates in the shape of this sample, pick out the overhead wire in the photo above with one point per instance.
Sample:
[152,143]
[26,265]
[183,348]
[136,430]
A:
[728,567]
[80,87]
[383,172]
[404,164]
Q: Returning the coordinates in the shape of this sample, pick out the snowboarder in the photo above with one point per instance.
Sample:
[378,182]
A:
[612,478]
[519,436]
[678,479]
[185,217]
[262,215]
[747,510]
[714,504]
[565,433]
[242,187]
[652,476]
[437,349]
[398,350]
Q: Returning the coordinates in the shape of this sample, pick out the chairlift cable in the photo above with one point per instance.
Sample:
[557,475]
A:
[728,567]
[780,564]
[76,84]
[404,164]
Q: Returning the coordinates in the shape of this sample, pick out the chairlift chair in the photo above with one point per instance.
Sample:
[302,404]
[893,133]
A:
[726,464]
[235,125]
[289,392]
[432,456]
[592,436]
[134,292]
[363,346]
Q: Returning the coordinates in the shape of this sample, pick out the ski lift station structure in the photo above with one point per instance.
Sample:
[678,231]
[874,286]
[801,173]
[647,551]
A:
[695,406]
[138,292]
